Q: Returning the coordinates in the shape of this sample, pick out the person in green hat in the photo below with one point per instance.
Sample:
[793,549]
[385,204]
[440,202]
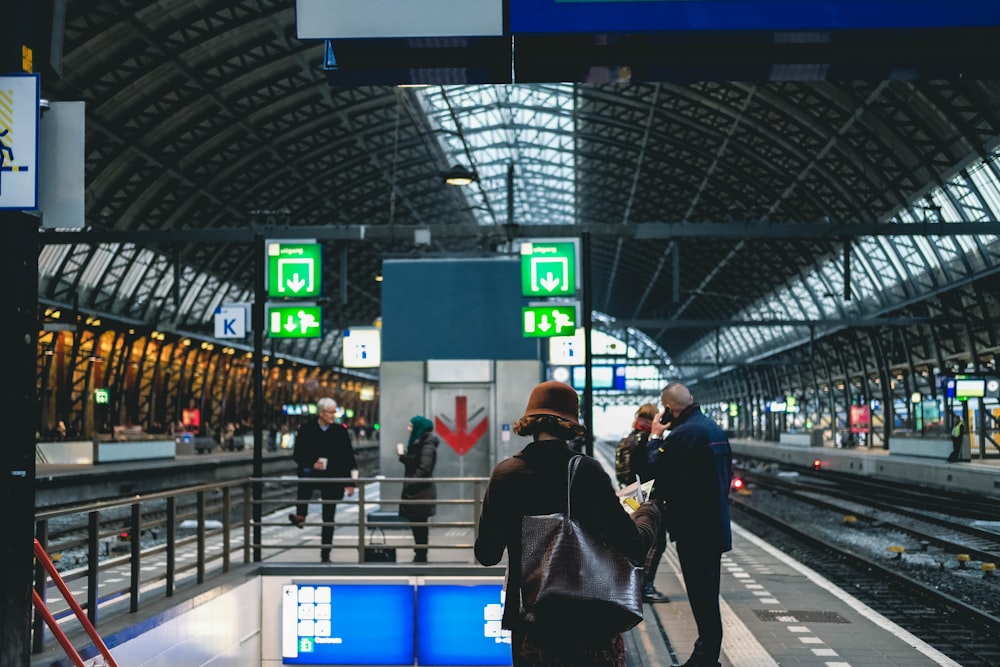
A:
[419,459]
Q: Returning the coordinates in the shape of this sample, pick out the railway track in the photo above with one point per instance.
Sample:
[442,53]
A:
[929,593]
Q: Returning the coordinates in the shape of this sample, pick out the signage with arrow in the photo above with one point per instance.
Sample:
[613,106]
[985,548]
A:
[547,321]
[298,321]
[548,268]
[294,269]
[460,438]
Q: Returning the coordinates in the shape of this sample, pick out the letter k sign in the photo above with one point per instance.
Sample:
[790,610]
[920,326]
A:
[231,321]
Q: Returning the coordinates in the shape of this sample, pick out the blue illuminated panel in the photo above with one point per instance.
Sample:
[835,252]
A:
[601,377]
[590,16]
[347,624]
[460,625]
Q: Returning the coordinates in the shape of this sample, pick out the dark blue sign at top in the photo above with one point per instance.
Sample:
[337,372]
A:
[632,16]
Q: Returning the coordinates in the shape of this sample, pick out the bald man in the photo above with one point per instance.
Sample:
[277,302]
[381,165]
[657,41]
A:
[692,464]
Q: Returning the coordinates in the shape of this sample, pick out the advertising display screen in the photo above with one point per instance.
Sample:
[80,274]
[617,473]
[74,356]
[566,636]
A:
[395,621]
[587,16]
[460,625]
[971,388]
[347,624]
[602,377]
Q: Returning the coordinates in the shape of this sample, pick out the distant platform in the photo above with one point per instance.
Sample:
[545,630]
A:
[976,476]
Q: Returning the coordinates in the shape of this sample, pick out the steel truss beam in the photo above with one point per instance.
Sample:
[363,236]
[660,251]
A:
[649,230]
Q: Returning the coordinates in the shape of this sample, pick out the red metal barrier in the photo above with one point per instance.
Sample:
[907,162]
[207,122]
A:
[39,604]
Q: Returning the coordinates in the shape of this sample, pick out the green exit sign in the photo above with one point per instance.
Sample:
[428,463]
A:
[298,321]
[102,396]
[294,269]
[547,321]
[548,268]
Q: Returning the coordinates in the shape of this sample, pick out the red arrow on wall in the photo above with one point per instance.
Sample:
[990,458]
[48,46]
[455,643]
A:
[460,439]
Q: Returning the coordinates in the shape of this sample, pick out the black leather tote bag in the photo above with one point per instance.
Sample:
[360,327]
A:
[570,578]
[379,552]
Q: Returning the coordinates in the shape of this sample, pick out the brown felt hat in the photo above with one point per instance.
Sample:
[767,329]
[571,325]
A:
[554,398]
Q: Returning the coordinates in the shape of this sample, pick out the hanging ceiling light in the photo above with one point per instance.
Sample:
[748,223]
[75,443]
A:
[459,175]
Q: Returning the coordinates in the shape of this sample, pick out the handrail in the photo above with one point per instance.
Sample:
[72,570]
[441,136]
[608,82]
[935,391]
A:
[151,525]
[39,605]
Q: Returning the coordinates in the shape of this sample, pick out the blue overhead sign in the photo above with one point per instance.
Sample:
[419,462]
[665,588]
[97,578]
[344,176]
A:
[590,16]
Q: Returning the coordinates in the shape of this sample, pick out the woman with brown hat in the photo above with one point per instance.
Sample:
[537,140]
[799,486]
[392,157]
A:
[533,482]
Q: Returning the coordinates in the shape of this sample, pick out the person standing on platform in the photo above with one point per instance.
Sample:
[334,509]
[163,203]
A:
[533,482]
[639,468]
[322,451]
[958,432]
[419,459]
[693,469]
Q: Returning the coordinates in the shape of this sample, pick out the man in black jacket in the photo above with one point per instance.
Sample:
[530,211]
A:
[693,473]
[322,450]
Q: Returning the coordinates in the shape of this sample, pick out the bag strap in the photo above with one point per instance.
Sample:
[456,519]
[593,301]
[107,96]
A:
[571,467]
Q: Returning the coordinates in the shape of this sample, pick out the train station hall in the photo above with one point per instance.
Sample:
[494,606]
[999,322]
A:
[225,221]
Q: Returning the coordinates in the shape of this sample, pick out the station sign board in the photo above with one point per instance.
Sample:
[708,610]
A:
[231,320]
[549,268]
[19,141]
[294,269]
[630,16]
[297,321]
[547,321]
[362,347]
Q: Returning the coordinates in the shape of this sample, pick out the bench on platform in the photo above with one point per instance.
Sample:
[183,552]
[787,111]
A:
[931,448]
[386,520]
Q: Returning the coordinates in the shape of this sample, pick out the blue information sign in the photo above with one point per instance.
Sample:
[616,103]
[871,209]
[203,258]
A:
[606,16]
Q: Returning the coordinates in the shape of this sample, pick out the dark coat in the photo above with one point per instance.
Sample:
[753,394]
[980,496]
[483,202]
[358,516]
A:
[419,461]
[693,469]
[533,481]
[638,459]
[312,442]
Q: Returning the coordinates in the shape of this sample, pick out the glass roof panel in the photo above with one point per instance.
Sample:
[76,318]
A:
[530,127]
[884,259]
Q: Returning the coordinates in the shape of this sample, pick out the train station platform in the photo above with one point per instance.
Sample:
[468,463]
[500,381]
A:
[776,611]
[975,476]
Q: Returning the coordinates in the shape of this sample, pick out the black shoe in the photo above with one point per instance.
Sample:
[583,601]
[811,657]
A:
[324,559]
[695,661]
[650,594]
[296,520]
[420,559]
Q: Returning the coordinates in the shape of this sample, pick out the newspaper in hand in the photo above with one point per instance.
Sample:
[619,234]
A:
[635,494]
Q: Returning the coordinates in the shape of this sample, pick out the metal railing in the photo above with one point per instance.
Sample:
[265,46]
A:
[121,554]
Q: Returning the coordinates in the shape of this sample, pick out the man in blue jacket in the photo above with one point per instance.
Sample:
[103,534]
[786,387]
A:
[693,471]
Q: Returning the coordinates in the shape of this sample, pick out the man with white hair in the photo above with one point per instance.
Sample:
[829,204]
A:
[322,450]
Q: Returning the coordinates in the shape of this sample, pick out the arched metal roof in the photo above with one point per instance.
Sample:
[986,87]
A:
[712,205]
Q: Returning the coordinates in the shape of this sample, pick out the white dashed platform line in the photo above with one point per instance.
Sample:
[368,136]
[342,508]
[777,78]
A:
[855,604]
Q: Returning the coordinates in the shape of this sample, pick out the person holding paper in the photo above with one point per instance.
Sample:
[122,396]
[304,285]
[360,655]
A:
[533,482]
[322,450]
[641,469]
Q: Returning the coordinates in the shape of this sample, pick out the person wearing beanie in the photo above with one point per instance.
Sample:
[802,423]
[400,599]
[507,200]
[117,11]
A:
[418,461]
[533,482]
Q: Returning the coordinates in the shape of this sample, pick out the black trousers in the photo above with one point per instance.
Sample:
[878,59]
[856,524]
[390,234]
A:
[701,568]
[328,492]
[420,537]
[956,448]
